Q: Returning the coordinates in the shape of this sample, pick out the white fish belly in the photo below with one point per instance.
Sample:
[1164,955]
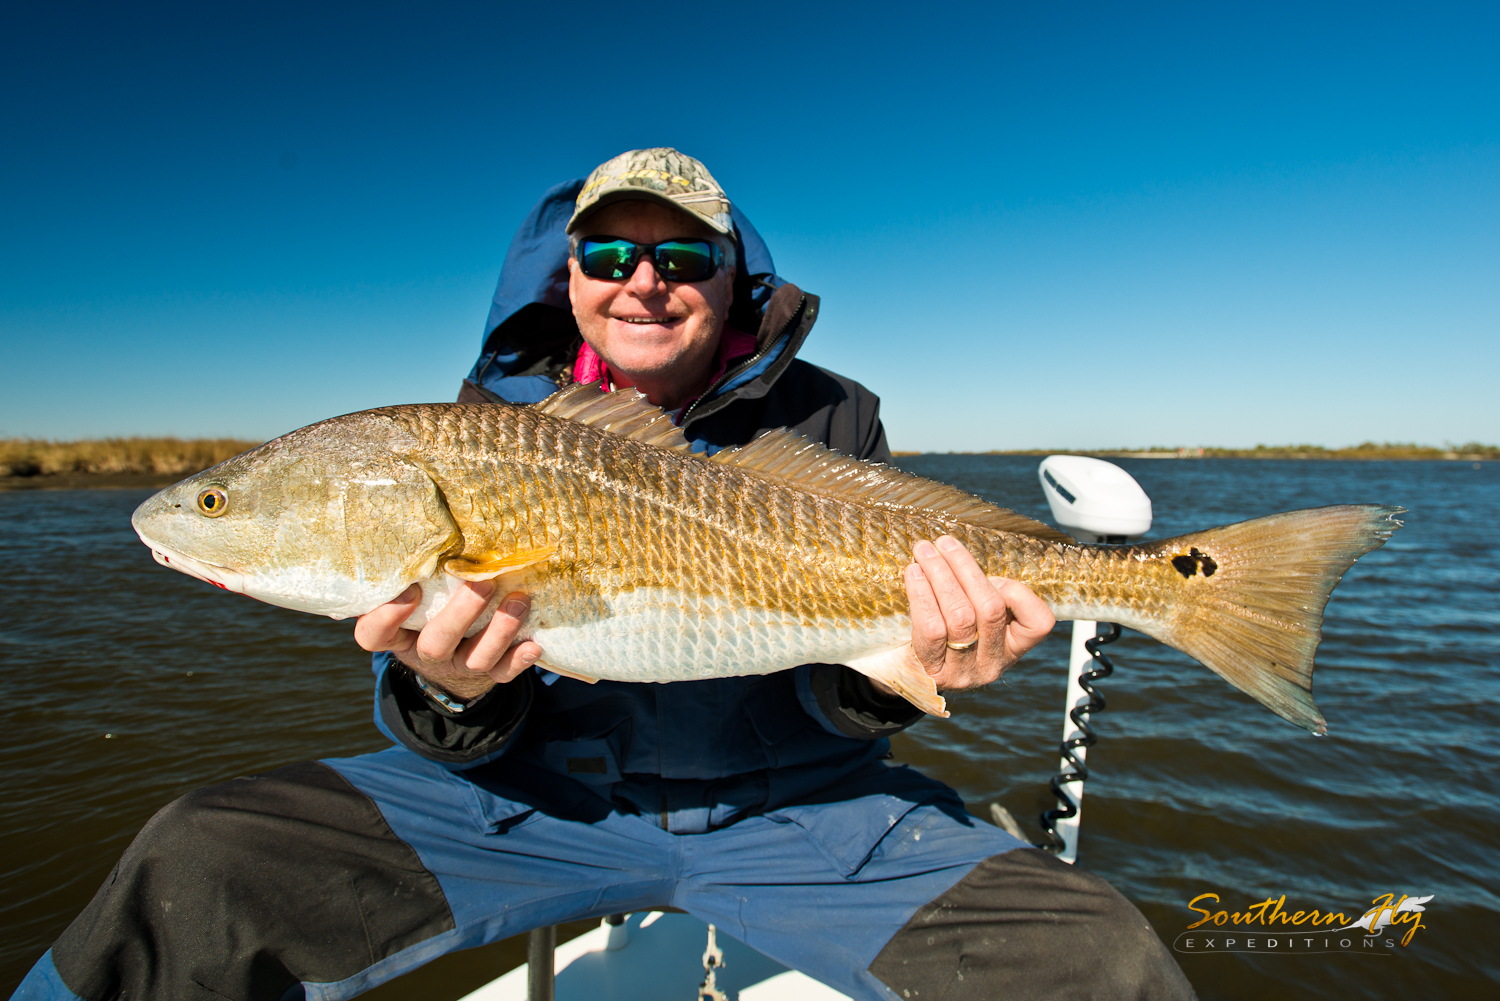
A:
[659,634]
[662,634]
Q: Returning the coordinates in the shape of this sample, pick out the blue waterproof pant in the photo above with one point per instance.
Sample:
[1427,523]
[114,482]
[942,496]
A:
[324,879]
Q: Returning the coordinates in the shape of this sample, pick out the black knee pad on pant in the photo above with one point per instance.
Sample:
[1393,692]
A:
[247,888]
[1026,926]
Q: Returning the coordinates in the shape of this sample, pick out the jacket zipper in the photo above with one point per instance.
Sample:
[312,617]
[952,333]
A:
[744,366]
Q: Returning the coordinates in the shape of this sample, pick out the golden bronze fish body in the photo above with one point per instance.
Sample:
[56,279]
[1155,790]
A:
[646,562]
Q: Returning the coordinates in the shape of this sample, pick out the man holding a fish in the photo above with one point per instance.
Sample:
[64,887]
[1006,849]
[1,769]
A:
[516,797]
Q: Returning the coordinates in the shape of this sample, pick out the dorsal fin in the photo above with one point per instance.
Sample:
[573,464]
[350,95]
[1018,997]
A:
[785,454]
[625,412]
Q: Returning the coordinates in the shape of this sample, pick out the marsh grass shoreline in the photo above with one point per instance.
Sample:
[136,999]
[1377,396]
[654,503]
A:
[114,462]
[32,463]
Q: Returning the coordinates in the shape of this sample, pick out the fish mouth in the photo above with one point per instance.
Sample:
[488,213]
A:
[223,577]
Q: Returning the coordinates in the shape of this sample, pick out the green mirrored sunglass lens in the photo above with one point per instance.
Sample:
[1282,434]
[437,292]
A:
[606,260]
[684,261]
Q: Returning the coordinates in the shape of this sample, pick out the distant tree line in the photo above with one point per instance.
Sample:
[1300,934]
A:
[1469,451]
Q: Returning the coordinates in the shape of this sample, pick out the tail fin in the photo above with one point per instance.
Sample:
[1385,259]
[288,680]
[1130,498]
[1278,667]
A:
[1254,596]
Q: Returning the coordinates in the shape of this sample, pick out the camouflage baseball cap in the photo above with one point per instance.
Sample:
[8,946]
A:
[662,174]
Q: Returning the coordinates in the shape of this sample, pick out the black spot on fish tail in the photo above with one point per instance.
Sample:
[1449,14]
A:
[1192,561]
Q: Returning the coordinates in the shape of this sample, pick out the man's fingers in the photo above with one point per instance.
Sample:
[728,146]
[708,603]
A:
[469,667]
[952,599]
[989,657]
[929,633]
[515,660]
[442,634]
[987,604]
[482,652]
[1031,619]
[380,628]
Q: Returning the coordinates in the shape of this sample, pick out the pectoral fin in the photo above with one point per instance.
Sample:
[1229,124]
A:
[492,565]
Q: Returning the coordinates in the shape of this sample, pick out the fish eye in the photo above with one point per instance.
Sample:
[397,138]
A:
[213,502]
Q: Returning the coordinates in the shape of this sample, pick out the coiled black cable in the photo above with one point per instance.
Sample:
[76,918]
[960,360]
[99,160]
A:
[1102,668]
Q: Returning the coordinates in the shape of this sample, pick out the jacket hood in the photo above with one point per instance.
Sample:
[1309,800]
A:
[530,338]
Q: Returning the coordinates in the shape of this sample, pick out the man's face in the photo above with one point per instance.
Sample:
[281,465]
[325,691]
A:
[648,329]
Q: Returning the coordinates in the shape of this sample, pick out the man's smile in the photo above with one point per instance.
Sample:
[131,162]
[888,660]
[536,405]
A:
[662,320]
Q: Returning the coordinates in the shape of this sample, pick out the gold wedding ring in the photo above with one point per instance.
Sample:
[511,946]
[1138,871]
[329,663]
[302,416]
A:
[963,647]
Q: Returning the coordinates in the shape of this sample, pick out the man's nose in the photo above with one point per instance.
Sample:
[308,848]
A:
[645,281]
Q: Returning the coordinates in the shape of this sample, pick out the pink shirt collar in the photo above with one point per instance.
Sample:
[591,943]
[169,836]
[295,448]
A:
[733,345]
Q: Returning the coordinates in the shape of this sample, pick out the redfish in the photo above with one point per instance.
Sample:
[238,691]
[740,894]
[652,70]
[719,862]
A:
[647,562]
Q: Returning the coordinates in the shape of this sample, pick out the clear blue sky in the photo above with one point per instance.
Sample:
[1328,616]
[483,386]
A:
[1032,225]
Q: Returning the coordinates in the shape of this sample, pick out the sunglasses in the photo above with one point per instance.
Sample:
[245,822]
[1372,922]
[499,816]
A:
[612,259]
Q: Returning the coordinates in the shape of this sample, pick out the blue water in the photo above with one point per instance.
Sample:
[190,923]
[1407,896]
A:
[1195,787]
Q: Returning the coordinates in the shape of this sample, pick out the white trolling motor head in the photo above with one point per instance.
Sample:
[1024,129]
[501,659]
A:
[1094,500]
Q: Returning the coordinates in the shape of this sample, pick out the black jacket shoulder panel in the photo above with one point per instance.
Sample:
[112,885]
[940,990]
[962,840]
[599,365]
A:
[814,402]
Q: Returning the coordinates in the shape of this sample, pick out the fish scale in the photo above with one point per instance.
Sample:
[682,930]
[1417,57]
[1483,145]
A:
[646,562]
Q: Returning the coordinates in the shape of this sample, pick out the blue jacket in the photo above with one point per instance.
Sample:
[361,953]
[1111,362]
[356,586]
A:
[698,754]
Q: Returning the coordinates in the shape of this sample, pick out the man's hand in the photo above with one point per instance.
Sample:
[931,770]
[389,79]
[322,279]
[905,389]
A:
[952,601]
[466,668]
